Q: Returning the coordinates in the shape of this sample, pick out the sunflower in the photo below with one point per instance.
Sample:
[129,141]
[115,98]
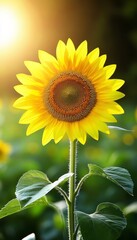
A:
[69,95]
[5,150]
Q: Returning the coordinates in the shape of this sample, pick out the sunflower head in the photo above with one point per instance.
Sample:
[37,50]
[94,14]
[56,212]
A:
[70,94]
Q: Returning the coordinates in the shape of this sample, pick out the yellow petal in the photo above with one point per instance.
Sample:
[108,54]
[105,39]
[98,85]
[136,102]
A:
[116,83]
[102,114]
[70,132]
[105,96]
[28,80]
[93,55]
[60,51]
[21,103]
[46,57]
[32,115]
[71,48]
[107,86]
[28,90]
[98,124]
[98,77]
[27,117]
[103,127]
[90,129]
[59,131]
[102,60]
[48,133]
[36,69]
[47,136]
[27,102]
[74,131]
[81,134]
[68,57]
[109,70]
[94,69]
[36,125]
[80,53]
[115,108]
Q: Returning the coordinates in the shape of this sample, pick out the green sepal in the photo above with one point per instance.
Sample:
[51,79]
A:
[106,223]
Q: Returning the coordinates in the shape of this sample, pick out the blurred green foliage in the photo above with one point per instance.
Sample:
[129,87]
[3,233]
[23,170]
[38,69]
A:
[116,149]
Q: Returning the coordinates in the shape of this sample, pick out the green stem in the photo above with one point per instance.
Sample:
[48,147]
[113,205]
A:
[71,205]
[81,182]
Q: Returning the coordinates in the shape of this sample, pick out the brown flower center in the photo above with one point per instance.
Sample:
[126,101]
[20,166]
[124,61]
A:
[69,97]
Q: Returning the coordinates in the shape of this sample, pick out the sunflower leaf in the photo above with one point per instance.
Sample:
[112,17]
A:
[34,185]
[14,206]
[119,176]
[131,208]
[30,237]
[119,128]
[106,223]
[11,207]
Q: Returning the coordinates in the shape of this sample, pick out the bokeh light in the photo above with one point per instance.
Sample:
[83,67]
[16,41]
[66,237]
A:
[8,26]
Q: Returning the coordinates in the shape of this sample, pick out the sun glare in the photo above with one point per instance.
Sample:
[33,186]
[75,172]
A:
[8,26]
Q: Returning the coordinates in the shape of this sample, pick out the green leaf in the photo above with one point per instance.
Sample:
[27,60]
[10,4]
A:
[34,184]
[14,206]
[11,207]
[30,237]
[121,177]
[119,128]
[131,208]
[106,223]
[117,175]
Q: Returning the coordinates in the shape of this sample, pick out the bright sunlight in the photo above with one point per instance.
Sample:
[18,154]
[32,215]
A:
[8,26]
